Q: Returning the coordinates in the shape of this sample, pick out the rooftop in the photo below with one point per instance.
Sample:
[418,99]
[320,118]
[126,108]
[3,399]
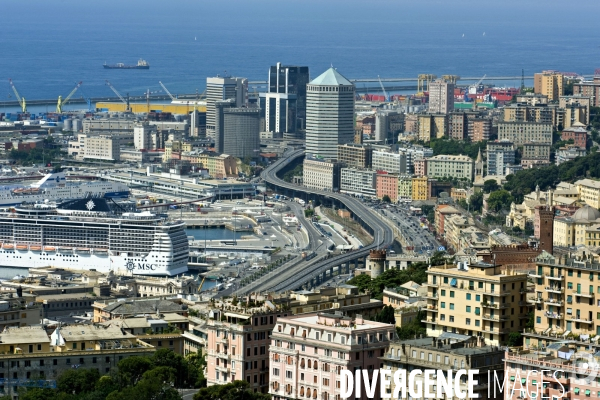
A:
[331,77]
[143,307]
[24,335]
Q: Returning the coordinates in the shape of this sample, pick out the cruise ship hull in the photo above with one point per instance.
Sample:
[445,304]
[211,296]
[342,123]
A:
[38,198]
[87,260]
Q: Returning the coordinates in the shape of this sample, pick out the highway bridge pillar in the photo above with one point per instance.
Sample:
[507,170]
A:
[331,271]
[355,264]
[324,278]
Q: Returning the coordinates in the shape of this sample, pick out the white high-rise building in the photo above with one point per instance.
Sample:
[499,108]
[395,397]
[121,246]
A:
[223,88]
[329,114]
[441,97]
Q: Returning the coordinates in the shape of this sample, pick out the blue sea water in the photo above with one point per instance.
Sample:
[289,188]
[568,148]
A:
[47,46]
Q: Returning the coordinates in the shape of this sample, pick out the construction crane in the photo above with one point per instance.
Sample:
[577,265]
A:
[21,101]
[385,95]
[167,91]
[473,88]
[451,78]
[119,95]
[61,102]
[201,284]
[423,83]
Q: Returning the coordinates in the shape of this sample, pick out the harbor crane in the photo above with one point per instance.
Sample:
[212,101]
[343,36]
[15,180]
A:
[473,88]
[20,99]
[61,102]
[167,91]
[126,102]
[385,95]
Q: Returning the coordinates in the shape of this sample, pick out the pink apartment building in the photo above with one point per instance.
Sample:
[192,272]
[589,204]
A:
[420,166]
[308,352]
[238,345]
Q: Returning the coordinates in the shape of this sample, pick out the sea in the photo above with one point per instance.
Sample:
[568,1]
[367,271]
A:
[48,46]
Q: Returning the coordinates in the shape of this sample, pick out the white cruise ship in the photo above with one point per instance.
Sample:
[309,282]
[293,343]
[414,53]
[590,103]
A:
[55,187]
[92,233]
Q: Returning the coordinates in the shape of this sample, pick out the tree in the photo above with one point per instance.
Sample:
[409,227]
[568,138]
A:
[413,328]
[514,339]
[309,212]
[131,370]
[237,390]
[431,216]
[386,315]
[499,200]
[386,199]
[476,201]
[78,381]
[490,185]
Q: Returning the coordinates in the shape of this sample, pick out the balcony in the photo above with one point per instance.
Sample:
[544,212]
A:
[526,290]
[223,369]
[525,303]
[432,308]
[496,317]
[547,314]
[553,302]
[589,295]
[577,318]
[524,316]
[535,275]
[495,331]
[553,289]
[428,321]
[433,296]
[490,305]
[556,278]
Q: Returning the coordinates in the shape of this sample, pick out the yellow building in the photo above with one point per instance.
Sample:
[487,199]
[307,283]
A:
[549,83]
[476,300]
[589,192]
[572,231]
[420,188]
[432,126]
[565,299]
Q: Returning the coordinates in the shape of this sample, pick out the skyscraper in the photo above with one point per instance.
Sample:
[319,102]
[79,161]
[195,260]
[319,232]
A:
[241,133]
[223,88]
[549,83]
[329,113]
[284,104]
[441,97]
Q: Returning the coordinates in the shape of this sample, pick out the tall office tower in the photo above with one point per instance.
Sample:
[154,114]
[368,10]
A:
[197,124]
[241,133]
[329,114]
[284,104]
[549,83]
[219,122]
[441,97]
[223,88]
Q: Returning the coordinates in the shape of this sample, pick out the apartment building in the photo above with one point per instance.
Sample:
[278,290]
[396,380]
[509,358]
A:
[358,182]
[174,148]
[18,309]
[394,163]
[565,302]
[420,167]
[459,167]
[589,89]
[441,212]
[549,83]
[476,300]
[535,153]
[579,102]
[441,97]
[308,352]
[420,188]
[342,298]
[432,126]
[355,155]
[532,99]
[111,309]
[95,147]
[571,230]
[31,353]
[321,174]
[219,165]
[458,125]
[522,132]
[237,345]
[405,187]
[589,192]
[500,153]
[482,128]
[526,113]
[415,153]
[387,185]
[569,153]
[448,352]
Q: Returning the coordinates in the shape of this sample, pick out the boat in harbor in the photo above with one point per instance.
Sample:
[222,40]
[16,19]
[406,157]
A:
[141,64]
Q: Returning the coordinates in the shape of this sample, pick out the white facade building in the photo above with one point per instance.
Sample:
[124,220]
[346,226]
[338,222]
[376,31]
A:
[459,167]
[394,163]
[358,181]
[329,114]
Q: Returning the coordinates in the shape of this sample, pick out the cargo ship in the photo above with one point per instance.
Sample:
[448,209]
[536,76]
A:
[141,64]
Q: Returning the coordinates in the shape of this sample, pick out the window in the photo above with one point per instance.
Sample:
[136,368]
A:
[445,279]
[477,322]
[477,297]
[275,371]
[452,293]
[468,296]
[452,306]
[443,292]
[468,309]
[288,374]
[538,320]
[443,305]
[468,321]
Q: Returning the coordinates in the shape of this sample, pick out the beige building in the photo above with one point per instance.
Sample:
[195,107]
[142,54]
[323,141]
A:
[321,174]
[475,300]
[447,353]
[107,310]
[343,298]
[573,230]
[549,83]
[355,155]
[532,99]
[535,153]
[459,167]
[527,113]
[589,192]
[522,132]
[30,353]
[219,165]
[95,147]
[577,109]
[175,147]
[565,299]
[432,126]
[441,97]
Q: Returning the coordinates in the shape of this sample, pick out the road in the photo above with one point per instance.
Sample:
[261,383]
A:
[301,273]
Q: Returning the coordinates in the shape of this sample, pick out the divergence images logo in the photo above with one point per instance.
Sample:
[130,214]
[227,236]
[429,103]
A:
[130,265]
